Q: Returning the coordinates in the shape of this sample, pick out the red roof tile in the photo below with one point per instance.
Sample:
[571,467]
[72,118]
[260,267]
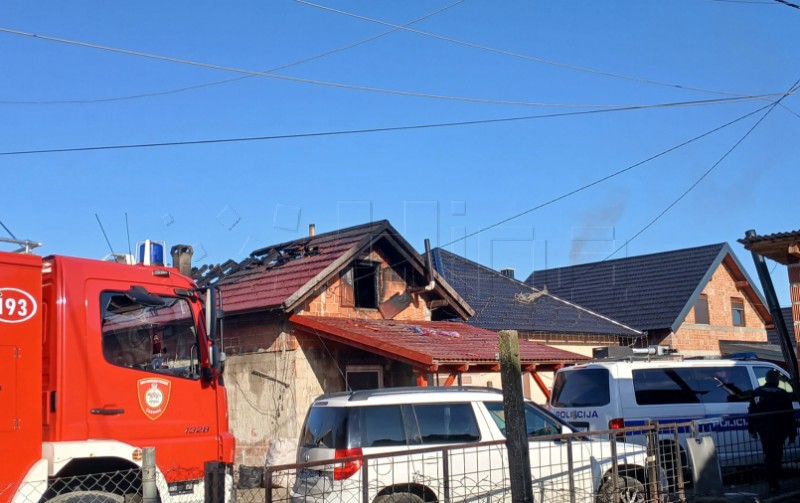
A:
[427,342]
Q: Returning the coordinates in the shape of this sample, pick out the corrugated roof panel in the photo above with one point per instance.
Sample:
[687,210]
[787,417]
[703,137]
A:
[441,341]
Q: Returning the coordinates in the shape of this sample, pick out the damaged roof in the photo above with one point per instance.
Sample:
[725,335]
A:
[283,276]
[501,302]
[427,344]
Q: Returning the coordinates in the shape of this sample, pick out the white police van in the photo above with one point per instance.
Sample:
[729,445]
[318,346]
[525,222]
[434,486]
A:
[715,393]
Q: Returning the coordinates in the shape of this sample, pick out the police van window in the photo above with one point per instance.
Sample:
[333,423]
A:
[160,339]
[761,378]
[661,386]
[581,388]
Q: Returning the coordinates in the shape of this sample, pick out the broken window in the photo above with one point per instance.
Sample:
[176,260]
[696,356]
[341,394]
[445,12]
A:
[360,285]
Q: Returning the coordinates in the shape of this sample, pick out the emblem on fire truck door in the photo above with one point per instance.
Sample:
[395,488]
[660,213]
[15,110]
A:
[153,396]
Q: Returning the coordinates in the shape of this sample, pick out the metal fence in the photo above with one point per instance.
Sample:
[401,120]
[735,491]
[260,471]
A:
[565,468]
[651,463]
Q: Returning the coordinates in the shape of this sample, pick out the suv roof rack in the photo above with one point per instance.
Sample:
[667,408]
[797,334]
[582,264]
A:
[361,395]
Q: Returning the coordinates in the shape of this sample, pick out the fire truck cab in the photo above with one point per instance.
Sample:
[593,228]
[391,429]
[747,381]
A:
[99,360]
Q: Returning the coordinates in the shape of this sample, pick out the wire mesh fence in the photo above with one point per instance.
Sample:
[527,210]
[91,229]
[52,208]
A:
[119,486]
[82,482]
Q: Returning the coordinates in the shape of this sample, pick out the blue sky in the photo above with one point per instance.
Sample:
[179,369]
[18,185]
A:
[482,60]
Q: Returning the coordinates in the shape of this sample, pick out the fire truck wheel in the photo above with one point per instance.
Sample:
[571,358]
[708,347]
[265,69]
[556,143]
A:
[87,497]
[398,498]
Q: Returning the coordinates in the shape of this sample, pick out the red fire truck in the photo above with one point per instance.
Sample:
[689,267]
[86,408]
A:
[98,360]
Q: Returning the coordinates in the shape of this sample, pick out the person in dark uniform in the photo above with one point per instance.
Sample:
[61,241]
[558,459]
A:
[771,418]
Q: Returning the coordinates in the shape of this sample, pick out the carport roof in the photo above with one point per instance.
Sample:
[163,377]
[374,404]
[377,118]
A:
[430,344]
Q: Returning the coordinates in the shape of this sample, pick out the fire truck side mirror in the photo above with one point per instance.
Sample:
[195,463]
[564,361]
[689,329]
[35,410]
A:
[211,313]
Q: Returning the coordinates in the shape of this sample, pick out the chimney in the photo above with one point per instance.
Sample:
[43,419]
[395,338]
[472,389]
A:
[312,230]
[182,259]
[508,272]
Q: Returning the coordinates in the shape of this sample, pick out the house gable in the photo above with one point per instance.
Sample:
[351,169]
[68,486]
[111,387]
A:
[391,283]
[647,292]
[725,290]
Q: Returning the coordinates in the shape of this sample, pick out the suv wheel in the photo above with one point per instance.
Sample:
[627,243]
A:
[630,491]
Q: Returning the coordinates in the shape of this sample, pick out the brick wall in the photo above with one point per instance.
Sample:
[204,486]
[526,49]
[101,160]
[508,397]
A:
[794,295]
[703,339]
[331,301]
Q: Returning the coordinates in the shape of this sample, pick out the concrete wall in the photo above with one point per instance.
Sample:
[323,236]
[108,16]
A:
[693,339]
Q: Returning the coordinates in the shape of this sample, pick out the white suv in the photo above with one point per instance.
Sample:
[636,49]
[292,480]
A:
[421,434]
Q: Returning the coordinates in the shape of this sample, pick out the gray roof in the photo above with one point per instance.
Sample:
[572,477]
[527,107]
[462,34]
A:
[646,292]
[501,302]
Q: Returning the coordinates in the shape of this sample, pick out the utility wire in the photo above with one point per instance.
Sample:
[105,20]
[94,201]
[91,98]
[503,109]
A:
[235,79]
[769,109]
[321,82]
[368,130]
[523,56]
[788,4]
[606,178]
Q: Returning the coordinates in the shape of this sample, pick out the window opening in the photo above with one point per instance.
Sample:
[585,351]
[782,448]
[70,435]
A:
[737,312]
[364,377]
[701,311]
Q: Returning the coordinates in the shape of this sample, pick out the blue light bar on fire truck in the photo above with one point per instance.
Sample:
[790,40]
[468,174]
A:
[151,252]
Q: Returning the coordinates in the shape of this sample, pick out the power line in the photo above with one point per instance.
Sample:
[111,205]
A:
[327,83]
[769,109]
[606,178]
[523,56]
[367,130]
[788,4]
[235,79]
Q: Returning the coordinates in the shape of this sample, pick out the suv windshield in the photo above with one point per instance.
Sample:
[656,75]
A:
[581,388]
[537,421]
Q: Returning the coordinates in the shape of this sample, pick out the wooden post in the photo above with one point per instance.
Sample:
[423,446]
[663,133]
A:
[519,462]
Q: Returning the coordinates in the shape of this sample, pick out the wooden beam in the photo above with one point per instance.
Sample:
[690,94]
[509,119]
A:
[463,368]
[451,379]
[422,381]
[742,284]
[794,250]
[542,386]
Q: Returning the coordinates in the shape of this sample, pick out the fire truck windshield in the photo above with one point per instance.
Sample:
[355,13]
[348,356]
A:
[155,338]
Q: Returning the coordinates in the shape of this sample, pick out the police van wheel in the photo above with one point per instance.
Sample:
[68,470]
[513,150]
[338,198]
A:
[630,491]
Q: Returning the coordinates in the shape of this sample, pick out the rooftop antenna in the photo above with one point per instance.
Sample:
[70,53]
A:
[104,233]
[8,231]
[128,230]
